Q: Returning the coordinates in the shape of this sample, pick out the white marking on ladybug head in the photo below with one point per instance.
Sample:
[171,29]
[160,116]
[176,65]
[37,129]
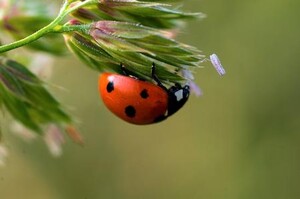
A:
[111,78]
[179,95]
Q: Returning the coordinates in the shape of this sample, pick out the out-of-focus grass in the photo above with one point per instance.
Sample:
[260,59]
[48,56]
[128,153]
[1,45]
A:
[240,140]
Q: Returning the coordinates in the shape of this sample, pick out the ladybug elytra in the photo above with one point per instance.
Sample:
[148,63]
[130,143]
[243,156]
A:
[140,102]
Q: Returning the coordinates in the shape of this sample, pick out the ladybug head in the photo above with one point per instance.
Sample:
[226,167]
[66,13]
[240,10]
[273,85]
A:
[178,96]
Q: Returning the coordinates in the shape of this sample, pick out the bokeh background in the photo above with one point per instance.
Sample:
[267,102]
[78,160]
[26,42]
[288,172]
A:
[240,140]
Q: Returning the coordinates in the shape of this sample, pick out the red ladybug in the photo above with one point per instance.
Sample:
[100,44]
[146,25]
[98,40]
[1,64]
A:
[140,102]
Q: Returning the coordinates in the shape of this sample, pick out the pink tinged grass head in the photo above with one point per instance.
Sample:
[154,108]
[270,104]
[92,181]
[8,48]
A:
[54,140]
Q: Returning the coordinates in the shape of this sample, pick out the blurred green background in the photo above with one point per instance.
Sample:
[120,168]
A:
[238,141]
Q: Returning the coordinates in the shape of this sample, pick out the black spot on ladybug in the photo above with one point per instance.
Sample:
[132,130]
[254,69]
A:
[130,111]
[144,94]
[110,87]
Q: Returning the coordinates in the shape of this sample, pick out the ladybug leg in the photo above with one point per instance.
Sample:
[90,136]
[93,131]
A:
[124,70]
[161,118]
[177,85]
[154,76]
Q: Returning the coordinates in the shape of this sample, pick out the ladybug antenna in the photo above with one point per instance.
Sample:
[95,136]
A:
[154,76]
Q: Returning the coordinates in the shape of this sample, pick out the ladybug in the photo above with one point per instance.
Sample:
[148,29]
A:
[140,102]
